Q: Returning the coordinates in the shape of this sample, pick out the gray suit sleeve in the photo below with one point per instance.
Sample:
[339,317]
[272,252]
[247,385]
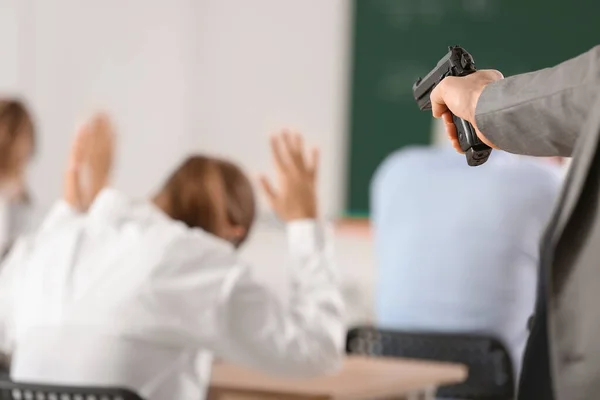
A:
[541,113]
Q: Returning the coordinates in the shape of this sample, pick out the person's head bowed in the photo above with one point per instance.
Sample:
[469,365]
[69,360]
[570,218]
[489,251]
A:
[212,194]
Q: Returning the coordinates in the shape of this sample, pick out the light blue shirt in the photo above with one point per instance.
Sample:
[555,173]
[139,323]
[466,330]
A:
[457,246]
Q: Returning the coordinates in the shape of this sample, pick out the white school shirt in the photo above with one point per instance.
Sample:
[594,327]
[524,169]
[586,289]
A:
[457,246]
[14,222]
[125,296]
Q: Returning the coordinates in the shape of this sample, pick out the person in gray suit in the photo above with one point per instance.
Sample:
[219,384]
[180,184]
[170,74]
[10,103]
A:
[551,112]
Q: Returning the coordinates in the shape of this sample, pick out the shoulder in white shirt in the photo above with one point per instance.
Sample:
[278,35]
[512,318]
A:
[125,296]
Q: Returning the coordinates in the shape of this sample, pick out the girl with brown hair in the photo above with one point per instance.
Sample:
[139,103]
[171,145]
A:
[17,143]
[142,294]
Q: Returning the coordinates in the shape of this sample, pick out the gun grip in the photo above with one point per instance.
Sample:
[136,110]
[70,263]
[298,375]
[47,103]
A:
[475,150]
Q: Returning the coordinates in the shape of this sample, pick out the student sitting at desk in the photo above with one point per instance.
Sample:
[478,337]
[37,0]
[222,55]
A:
[472,270]
[140,294]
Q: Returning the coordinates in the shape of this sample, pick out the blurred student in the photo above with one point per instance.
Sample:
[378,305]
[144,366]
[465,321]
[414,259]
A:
[17,142]
[141,294]
[472,270]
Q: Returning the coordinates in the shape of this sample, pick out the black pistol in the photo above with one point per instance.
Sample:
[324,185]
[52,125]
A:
[458,62]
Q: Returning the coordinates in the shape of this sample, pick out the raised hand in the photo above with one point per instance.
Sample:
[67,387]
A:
[294,197]
[90,162]
[99,152]
[72,191]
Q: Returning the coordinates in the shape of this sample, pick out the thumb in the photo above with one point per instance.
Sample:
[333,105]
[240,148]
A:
[72,184]
[268,189]
[72,190]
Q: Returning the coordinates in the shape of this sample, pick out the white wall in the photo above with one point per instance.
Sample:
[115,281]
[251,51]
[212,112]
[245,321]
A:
[181,76]
[268,64]
[132,58]
[12,27]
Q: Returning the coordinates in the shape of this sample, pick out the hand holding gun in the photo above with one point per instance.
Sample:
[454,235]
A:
[458,62]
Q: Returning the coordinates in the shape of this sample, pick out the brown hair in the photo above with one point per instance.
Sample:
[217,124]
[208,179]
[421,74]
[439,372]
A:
[196,188]
[15,120]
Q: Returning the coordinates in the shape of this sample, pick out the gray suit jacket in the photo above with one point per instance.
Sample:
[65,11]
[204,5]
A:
[556,111]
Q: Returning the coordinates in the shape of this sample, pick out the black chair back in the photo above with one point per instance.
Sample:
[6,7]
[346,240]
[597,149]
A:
[25,391]
[489,365]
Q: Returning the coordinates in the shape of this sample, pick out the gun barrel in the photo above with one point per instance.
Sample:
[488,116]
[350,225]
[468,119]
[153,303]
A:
[423,86]
[457,62]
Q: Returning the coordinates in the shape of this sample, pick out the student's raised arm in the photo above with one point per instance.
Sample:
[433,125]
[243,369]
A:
[242,321]
[90,157]
[305,336]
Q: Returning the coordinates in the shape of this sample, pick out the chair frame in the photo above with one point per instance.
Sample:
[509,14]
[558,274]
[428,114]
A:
[476,352]
[10,390]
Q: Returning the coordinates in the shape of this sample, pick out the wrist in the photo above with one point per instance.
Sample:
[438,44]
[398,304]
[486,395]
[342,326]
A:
[305,237]
[300,209]
[300,216]
[299,219]
[481,93]
[474,101]
[99,183]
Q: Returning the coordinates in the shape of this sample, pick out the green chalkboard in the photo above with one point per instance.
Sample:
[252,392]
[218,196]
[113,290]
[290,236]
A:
[396,41]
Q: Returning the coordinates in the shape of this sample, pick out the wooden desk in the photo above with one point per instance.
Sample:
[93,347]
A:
[360,227]
[360,378]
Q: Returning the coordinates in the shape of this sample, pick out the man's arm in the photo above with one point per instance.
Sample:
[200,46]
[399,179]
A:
[541,113]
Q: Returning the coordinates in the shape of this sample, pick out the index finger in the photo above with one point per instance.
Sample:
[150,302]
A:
[102,128]
[277,153]
[438,104]
[293,144]
[313,165]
